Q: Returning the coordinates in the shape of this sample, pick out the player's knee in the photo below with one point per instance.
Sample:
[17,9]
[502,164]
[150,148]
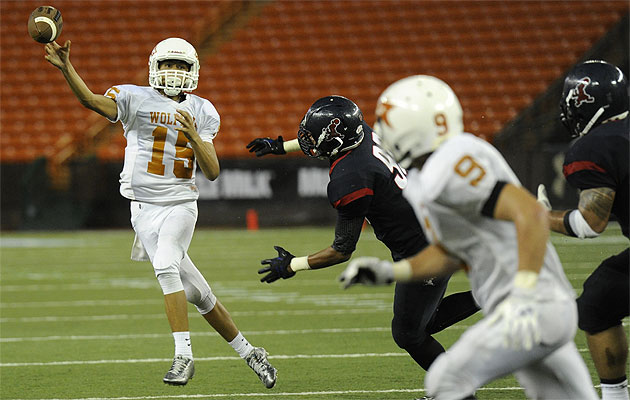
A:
[200,295]
[406,337]
[170,282]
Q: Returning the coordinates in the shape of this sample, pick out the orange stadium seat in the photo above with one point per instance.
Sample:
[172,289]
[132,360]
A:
[498,56]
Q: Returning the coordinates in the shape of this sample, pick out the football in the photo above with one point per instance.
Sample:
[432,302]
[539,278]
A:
[44,24]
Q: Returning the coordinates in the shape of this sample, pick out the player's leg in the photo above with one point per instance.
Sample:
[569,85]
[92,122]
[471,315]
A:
[166,232]
[480,356]
[561,375]
[452,309]
[198,292]
[602,306]
[414,305]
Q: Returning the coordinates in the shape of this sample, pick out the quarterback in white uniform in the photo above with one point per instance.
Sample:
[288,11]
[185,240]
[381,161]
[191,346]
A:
[168,131]
[479,218]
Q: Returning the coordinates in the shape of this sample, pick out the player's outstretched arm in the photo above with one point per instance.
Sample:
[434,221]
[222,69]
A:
[264,146]
[59,56]
[286,264]
[431,262]
[588,220]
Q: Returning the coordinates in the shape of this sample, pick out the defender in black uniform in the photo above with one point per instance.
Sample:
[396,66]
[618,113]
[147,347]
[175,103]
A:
[594,106]
[366,183]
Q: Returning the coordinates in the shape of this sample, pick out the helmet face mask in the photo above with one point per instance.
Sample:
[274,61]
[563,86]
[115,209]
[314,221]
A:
[415,115]
[174,81]
[332,125]
[594,91]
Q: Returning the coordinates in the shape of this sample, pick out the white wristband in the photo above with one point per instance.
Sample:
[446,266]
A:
[401,270]
[291,146]
[525,279]
[580,226]
[299,264]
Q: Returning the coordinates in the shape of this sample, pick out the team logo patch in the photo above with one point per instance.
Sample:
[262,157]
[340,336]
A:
[382,108]
[331,130]
[579,94]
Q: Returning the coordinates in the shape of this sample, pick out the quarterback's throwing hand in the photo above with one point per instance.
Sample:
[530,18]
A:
[367,271]
[277,267]
[57,55]
[263,146]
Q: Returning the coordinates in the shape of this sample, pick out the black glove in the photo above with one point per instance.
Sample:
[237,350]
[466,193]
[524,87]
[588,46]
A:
[263,146]
[278,267]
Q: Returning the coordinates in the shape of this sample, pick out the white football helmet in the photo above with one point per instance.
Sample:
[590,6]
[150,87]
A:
[173,82]
[415,115]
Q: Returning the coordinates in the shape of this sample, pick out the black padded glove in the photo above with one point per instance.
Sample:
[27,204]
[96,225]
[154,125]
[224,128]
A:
[277,267]
[263,146]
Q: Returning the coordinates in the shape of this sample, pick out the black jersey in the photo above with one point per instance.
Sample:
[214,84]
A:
[367,176]
[600,159]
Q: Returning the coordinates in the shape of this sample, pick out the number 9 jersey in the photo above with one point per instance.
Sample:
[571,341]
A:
[454,196]
[159,162]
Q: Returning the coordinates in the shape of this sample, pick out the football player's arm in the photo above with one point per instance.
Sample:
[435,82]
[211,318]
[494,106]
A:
[350,218]
[60,57]
[264,146]
[589,219]
[205,153]
[347,232]
[530,219]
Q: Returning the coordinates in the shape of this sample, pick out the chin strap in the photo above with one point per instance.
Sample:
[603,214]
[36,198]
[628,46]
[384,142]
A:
[592,121]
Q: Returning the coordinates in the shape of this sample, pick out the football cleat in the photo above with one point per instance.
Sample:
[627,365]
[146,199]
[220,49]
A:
[257,360]
[181,371]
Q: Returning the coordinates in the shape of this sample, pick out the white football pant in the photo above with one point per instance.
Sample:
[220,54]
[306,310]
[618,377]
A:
[553,369]
[165,232]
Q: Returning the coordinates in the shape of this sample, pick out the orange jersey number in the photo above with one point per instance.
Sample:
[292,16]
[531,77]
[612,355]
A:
[466,166]
[182,154]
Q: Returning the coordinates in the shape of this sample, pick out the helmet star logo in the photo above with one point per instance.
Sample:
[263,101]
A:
[579,93]
[381,112]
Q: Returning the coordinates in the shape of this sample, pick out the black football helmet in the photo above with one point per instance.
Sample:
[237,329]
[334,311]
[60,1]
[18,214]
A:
[594,91]
[331,126]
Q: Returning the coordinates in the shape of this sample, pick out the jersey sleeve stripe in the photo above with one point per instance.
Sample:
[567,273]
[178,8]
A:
[349,198]
[577,166]
[491,203]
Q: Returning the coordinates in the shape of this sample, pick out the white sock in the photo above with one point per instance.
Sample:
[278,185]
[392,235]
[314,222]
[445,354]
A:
[615,391]
[182,344]
[241,345]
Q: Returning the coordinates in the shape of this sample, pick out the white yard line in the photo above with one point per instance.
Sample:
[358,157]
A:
[218,358]
[198,359]
[168,335]
[240,314]
[232,295]
[272,394]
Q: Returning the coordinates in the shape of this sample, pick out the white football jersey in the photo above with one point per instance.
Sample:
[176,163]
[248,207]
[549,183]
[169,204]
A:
[449,195]
[159,162]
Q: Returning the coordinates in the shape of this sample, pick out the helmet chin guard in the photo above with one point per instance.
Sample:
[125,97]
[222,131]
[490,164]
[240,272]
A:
[173,82]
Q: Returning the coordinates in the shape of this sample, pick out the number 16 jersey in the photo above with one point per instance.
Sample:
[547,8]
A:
[159,162]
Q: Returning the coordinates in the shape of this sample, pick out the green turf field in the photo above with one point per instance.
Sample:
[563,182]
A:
[79,320]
